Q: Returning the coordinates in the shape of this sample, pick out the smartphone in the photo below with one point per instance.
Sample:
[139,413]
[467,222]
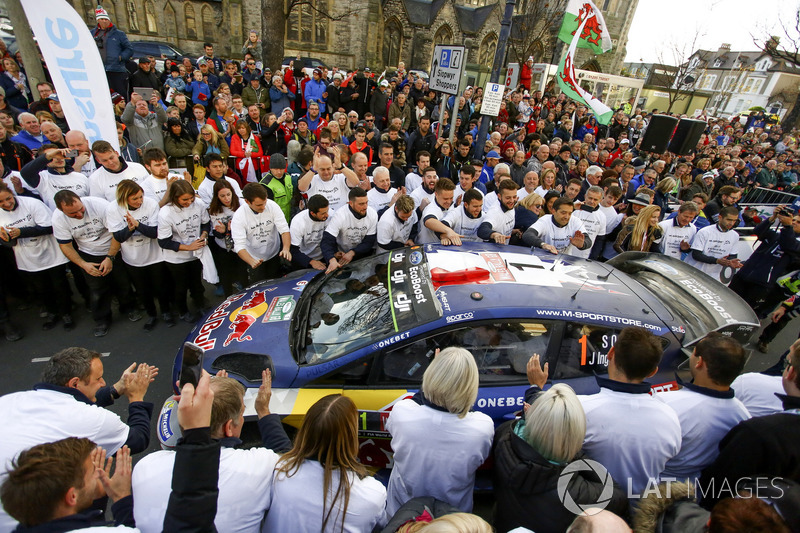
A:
[72,153]
[191,364]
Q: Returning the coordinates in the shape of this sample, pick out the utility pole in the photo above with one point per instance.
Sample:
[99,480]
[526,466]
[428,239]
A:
[499,55]
[27,47]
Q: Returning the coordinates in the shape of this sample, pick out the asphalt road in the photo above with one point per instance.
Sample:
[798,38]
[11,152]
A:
[127,342]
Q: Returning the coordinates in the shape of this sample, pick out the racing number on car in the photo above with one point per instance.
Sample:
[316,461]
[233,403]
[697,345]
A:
[596,357]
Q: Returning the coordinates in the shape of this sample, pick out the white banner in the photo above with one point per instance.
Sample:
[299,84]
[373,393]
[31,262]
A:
[76,68]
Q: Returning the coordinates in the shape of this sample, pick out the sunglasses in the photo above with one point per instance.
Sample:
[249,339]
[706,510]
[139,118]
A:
[538,206]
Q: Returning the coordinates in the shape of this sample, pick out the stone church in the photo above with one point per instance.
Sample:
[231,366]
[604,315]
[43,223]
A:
[357,33]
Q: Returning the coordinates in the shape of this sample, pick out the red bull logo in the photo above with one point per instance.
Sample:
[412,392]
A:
[246,316]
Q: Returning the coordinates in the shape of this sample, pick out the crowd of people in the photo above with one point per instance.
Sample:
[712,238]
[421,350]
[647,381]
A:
[230,173]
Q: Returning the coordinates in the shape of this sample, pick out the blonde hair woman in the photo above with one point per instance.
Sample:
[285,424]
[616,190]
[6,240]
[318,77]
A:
[438,441]
[640,233]
[210,142]
[531,455]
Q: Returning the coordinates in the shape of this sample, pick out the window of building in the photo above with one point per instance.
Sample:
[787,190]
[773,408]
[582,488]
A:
[209,26]
[309,23]
[727,83]
[753,85]
[170,21]
[443,36]
[191,22]
[486,50]
[150,16]
[236,22]
[718,63]
[709,81]
[392,43]
[774,108]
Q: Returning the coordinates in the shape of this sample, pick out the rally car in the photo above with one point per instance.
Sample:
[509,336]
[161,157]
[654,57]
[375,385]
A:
[370,329]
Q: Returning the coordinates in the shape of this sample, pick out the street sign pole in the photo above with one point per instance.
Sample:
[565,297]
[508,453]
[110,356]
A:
[499,54]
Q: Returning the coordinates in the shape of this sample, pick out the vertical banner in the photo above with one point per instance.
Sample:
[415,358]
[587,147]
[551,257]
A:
[75,67]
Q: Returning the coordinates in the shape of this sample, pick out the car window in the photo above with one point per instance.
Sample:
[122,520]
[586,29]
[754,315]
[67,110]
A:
[146,48]
[166,51]
[584,350]
[501,351]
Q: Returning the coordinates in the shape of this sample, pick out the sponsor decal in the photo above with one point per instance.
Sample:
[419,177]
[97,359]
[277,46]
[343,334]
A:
[415,258]
[459,317]
[711,299]
[497,267]
[280,309]
[664,387]
[164,430]
[246,316]
[215,320]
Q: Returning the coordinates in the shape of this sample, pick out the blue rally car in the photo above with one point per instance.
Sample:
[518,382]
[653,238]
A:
[370,329]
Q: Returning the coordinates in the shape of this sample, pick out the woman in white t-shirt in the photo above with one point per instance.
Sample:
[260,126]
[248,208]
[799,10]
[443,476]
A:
[547,179]
[319,485]
[438,441]
[183,226]
[230,267]
[25,225]
[133,221]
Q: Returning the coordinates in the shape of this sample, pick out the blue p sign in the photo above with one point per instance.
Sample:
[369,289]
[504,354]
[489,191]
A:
[445,60]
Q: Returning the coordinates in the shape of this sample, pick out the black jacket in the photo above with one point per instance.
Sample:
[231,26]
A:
[525,486]
[121,510]
[772,257]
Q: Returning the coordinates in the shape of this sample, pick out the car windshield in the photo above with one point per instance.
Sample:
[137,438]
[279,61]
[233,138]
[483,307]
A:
[367,301]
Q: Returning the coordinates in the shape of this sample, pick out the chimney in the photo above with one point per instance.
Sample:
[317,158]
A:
[724,48]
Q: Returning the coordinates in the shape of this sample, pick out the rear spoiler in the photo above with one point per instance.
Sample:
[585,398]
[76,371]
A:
[699,304]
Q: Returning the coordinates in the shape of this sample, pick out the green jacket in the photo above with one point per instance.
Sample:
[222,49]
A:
[281,191]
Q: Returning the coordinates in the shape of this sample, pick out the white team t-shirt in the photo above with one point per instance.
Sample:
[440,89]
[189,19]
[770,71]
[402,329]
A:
[33,254]
[349,230]
[206,189]
[673,236]
[138,250]
[502,221]
[103,184]
[378,200]
[50,184]
[434,210]
[90,232]
[335,190]
[183,226]
[307,233]
[463,224]
[595,224]
[259,233]
[558,237]
[391,228]
[714,243]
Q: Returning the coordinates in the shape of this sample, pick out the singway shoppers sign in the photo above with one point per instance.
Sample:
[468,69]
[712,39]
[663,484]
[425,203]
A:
[448,64]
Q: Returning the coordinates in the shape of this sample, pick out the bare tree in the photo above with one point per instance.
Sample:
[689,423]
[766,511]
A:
[686,74]
[534,30]
[785,48]
[275,13]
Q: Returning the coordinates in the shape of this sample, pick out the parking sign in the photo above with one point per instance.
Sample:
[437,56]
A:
[448,65]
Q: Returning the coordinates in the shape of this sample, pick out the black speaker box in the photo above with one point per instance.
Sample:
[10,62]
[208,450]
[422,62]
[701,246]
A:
[658,133]
[686,136]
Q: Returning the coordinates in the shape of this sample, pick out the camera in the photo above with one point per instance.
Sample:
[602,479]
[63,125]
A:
[785,213]
[99,42]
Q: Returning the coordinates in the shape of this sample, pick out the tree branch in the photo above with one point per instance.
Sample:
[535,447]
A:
[310,3]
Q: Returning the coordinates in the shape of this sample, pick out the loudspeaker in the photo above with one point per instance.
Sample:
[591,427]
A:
[686,136]
[659,131]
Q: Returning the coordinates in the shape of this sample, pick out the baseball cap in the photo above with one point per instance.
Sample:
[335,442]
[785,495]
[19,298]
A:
[624,141]
[384,83]
[53,97]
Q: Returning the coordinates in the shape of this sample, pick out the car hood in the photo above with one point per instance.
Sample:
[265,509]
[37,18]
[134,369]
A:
[249,331]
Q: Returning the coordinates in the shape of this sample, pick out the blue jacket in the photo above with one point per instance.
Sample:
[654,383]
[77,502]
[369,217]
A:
[280,100]
[14,97]
[26,139]
[196,88]
[313,91]
[117,49]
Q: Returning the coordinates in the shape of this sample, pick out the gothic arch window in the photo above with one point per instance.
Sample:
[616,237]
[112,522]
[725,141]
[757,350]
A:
[309,23]
[133,16]
[392,43]
[444,35]
[150,16]
[170,22]
[487,49]
[191,22]
[236,22]
[209,26]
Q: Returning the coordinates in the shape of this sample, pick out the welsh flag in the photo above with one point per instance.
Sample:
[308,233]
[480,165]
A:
[583,20]
[589,32]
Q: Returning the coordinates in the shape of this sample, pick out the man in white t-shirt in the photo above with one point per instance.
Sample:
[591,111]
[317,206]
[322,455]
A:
[678,231]
[501,218]
[593,219]
[69,402]
[156,185]
[631,433]
[707,407]
[559,232]
[82,221]
[306,229]
[414,178]
[260,234]
[430,225]
[48,174]
[713,245]
[84,162]
[351,233]
[382,195]
[113,169]
[466,218]
[245,475]
[467,179]
[423,195]
[215,171]
[397,226]
[330,178]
